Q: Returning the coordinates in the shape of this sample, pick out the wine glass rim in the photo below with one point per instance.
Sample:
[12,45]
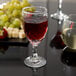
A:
[44,12]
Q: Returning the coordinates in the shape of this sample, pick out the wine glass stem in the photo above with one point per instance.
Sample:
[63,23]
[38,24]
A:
[34,51]
[59,5]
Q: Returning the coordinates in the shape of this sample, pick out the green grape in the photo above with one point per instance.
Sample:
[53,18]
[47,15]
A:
[12,1]
[25,1]
[12,19]
[15,1]
[7,24]
[4,18]
[11,7]
[17,6]
[1,12]
[20,13]
[5,7]
[31,9]
[17,23]
[9,14]
[12,25]
[21,18]
[25,4]
[15,13]
[2,23]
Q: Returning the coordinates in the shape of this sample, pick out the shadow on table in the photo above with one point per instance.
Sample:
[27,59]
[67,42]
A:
[3,49]
[12,55]
[39,71]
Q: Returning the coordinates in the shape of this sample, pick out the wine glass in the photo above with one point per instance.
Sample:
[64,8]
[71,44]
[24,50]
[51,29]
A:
[35,26]
[59,15]
[69,31]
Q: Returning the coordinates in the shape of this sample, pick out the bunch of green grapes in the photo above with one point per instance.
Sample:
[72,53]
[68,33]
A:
[11,13]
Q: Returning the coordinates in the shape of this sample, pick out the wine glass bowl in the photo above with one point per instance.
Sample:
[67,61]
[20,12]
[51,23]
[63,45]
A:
[69,31]
[35,26]
[59,15]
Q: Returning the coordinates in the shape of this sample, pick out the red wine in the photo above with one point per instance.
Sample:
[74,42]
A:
[57,41]
[58,33]
[35,29]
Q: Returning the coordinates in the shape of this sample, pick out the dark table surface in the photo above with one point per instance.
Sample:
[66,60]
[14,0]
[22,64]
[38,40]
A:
[59,62]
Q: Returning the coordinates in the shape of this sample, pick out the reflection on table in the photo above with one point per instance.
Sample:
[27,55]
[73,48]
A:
[68,57]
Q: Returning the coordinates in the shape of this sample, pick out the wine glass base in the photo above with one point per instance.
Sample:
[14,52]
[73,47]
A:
[35,62]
